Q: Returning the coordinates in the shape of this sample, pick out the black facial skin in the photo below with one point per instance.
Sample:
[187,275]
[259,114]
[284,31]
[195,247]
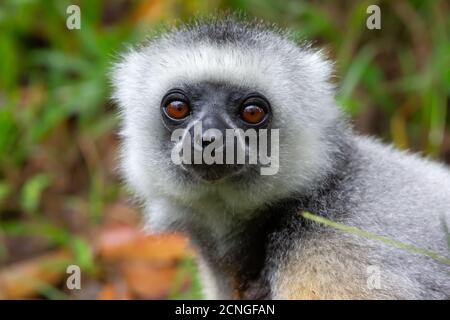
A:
[217,106]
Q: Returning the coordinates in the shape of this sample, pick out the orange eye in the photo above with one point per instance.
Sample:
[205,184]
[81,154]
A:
[177,109]
[253,114]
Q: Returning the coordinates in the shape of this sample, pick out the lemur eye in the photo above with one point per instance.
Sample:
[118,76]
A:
[255,109]
[253,114]
[177,109]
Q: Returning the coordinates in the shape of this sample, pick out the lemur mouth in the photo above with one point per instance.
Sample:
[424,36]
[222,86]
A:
[213,173]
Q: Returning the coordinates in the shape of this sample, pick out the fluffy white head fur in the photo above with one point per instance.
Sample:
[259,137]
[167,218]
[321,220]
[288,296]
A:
[295,80]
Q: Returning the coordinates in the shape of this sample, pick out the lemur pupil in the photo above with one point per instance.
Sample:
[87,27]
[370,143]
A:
[177,109]
[253,114]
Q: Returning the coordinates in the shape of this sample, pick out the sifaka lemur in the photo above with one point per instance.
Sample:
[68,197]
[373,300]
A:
[253,240]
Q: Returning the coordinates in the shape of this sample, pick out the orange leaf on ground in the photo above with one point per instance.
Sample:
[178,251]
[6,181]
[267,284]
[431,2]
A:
[114,291]
[23,280]
[147,280]
[125,242]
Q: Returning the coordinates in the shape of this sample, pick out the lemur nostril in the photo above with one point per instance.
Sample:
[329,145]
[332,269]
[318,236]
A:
[208,141]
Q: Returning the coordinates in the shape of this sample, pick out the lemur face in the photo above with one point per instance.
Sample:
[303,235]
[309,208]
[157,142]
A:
[222,76]
[208,112]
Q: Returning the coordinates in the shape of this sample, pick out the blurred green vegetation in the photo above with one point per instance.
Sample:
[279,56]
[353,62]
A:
[57,141]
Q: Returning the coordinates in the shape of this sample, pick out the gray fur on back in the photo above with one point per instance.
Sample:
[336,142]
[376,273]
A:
[389,193]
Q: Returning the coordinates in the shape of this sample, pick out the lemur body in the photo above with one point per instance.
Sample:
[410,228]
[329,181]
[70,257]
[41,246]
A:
[253,241]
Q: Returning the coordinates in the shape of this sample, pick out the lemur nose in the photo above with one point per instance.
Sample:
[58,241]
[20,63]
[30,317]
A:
[212,131]
[211,136]
[207,141]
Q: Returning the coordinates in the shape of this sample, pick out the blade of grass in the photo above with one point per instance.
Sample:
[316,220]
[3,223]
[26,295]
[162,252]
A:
[373,236]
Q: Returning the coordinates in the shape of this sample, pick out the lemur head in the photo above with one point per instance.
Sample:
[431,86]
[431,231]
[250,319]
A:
[223,74]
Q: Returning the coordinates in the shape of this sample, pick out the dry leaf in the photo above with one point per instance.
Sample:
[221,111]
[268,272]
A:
[114,291]
[22,280]
[125,243]
[147,280]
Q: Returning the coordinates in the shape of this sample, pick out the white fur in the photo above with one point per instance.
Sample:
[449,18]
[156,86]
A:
[142,78]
